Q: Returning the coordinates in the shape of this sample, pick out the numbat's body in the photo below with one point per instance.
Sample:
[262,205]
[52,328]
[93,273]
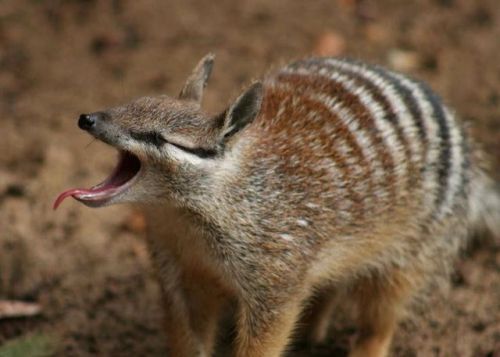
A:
[325,176]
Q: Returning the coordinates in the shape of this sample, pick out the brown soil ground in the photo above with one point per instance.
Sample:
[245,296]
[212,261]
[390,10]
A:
[89,269]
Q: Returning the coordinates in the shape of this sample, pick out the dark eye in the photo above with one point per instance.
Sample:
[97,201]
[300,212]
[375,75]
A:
[201,152]
[156,139]
[150,137]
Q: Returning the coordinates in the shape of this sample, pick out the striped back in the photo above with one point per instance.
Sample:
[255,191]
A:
[385,134]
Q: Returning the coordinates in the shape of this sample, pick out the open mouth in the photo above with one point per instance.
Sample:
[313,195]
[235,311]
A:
[119,181]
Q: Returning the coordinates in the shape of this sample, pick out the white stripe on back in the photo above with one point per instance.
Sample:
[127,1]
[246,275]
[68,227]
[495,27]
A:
[404,117]
[455,172]
[387,132]
[361,137]
[430,173]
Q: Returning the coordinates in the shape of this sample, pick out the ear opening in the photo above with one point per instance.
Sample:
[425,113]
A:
[243,111]
[197,81]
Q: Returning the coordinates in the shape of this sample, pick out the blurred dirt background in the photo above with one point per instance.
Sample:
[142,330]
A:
[89,269]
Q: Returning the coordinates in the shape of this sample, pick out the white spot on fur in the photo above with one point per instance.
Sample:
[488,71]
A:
[302,222]
[286,237]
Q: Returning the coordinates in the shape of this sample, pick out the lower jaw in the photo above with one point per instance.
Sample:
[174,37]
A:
[113,198]
[96,203]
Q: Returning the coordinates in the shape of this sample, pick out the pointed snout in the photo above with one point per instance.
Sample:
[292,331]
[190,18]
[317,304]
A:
[88,122]
[101,126]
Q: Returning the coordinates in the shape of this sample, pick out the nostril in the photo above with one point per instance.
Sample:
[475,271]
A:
[86,121]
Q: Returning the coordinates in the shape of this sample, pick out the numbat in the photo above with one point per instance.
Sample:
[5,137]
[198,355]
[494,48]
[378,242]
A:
[327,175]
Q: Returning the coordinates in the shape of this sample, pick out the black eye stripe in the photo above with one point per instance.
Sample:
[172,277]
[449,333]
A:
[149,137]
[201,152]
[156,139]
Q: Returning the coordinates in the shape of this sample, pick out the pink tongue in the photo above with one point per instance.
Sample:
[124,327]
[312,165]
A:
[73,192]
[127,167]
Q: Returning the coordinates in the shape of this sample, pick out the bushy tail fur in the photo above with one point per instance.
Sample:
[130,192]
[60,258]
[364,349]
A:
[485,207]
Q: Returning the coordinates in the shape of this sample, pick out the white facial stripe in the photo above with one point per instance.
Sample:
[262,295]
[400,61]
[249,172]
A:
[183,156]
[179,140]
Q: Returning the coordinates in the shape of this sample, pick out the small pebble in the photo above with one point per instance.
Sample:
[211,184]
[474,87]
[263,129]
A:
[403,60]
[135,222]
[329,44]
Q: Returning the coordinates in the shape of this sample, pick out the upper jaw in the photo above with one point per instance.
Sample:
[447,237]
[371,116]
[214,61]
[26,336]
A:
[101,126]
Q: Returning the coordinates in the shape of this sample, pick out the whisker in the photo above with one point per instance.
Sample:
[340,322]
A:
[90,143]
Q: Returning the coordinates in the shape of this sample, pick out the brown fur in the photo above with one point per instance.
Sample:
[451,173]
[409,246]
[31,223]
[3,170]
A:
[280,213]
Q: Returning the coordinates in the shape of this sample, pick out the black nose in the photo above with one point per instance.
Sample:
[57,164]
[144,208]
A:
[86,121]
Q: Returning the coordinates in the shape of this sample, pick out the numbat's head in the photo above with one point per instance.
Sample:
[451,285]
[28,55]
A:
[168,147]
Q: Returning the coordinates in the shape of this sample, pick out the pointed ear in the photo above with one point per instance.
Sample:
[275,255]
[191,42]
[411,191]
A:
[196,82]
[243,111]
